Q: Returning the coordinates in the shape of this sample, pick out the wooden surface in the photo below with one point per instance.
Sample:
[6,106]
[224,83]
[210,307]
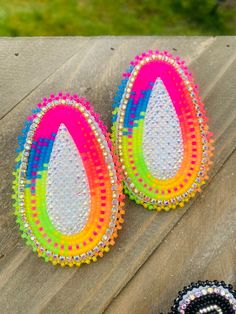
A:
[156,253]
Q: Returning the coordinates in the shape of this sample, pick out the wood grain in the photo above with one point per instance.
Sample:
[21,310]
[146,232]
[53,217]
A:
[156,254]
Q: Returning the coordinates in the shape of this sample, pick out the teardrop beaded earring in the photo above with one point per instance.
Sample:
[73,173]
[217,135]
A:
[67,191]
[160,132]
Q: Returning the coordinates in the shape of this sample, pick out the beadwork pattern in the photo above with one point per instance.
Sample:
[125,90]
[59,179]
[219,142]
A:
[164,136]
[160,132]
[67,190]
[206,297]
[68,201]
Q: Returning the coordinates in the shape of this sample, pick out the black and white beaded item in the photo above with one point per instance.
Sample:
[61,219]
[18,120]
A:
[210,297]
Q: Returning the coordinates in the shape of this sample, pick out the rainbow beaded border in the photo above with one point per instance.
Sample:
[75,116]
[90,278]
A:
[119,107]
[25,142]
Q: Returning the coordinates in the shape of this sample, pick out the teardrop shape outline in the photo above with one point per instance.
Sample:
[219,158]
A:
[157,110]
[166,196]
[116,211]
[57,200]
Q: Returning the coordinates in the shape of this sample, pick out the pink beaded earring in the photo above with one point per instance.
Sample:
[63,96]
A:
[67,191]
[160,132]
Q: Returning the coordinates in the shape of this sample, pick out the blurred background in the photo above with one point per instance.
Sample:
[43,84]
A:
[117,17]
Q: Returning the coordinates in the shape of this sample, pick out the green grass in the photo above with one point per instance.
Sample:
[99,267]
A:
[116,17]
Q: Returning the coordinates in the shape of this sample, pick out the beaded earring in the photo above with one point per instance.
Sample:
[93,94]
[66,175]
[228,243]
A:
[160,132]
[206,297]
[67,190]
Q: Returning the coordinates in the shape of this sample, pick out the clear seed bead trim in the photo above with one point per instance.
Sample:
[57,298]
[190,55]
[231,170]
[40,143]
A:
[196,293]
[68,196]
[162,138]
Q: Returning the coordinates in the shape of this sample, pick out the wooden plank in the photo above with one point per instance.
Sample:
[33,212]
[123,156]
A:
[26,62]
[95,73]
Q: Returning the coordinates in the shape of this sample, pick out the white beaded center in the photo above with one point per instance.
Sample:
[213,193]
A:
[67,195]
[210,309]
[162,137]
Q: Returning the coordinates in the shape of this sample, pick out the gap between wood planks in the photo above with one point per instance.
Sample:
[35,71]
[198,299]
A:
[219,75]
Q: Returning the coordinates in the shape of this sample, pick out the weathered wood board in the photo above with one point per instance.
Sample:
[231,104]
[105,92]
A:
[156,253]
